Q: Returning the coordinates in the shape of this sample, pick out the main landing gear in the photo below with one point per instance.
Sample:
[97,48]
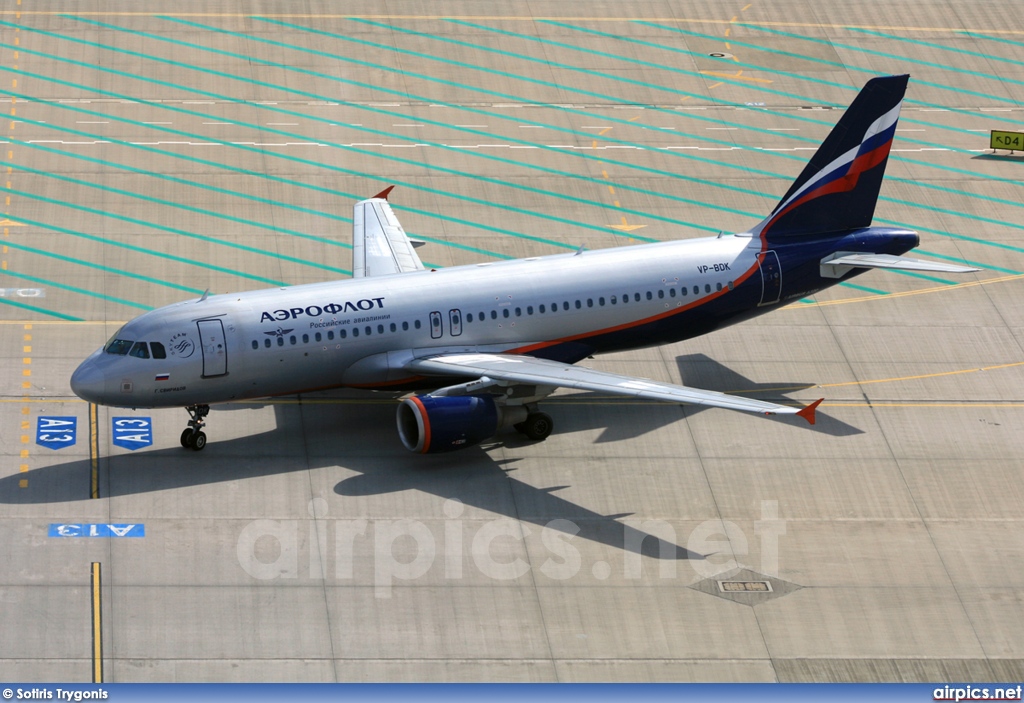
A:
[193,436]
[537,425]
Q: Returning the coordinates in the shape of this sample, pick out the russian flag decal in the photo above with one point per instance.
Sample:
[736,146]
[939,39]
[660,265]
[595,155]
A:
[162,377]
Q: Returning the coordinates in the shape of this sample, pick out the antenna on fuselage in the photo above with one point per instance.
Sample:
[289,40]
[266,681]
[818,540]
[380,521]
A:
[206,294]
[580,250]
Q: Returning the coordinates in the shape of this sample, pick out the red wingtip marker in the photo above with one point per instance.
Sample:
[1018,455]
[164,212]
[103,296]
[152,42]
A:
[384,193]
[808,412]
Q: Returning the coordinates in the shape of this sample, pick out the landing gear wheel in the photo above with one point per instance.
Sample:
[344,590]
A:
[536,426]
[193,437]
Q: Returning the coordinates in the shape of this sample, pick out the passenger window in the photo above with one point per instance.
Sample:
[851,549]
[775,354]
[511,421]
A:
[266,342]
[600,301]
[280,341]
[341,334]
[718,286]
[636,297]
[671,292]
[683,291]
[578,305]
[160,353]
[140,350]
[416,324]
[291,339]
[305,339]
[519,312]
[380,329]
[255,344]
[405,326]
[369,330]
[730,285]
[318,337]
[615,300]
[529,309]
[541,308]
[355,331]
[707,287]
[504,313]
[119,347]
[393,328]
[330,334]
[469,317]
[661,293]
[565,304]
[696,290]
[649,295]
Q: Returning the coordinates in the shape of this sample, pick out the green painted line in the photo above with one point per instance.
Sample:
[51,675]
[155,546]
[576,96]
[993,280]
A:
[533,213]
[162,228]
[44,311]
[98,267]
[173,230]
[75,289]
[194,184]
[132,247]
[914,274]
[906,59]
[855,286]
[944,47]
[967,262]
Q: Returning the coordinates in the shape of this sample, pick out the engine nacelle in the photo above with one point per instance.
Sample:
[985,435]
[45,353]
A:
[430,424]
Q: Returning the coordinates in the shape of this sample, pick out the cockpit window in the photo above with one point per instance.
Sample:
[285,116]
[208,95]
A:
[140,350]
[158,350]
[119,346]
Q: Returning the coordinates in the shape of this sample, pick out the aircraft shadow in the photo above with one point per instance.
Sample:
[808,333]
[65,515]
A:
[368,445]
[702,371]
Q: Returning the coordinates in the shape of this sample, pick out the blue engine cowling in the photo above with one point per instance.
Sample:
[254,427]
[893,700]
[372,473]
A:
[430,424]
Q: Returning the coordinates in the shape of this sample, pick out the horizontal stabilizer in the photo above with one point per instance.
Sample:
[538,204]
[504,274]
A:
[842,263]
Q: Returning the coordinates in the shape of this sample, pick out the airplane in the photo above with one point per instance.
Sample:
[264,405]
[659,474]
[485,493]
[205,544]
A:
[488,341]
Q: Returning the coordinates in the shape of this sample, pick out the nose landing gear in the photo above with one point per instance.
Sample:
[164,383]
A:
[193,436]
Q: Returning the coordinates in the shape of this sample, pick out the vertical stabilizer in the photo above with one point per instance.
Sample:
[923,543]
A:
[838,189]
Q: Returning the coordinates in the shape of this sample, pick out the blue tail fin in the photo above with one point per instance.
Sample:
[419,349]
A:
[838,188]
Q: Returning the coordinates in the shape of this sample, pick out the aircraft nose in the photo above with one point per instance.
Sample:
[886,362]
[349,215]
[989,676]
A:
[88,383]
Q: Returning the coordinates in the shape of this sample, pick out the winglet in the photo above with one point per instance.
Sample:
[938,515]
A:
[808,412]
[383,194]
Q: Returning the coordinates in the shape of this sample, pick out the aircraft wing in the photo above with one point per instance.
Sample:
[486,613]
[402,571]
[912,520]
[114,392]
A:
[529,370]
[379,243]
[841,263]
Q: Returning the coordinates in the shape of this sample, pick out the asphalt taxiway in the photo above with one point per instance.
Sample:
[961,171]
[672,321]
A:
[153,154]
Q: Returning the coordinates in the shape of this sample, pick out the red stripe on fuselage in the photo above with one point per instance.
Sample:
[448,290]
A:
[842,184]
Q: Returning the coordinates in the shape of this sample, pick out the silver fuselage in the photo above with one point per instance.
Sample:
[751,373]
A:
[361,332]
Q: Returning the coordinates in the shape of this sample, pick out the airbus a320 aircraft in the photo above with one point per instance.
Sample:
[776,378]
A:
[488,341]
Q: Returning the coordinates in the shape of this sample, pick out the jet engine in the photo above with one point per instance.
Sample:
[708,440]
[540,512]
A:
[430,424]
